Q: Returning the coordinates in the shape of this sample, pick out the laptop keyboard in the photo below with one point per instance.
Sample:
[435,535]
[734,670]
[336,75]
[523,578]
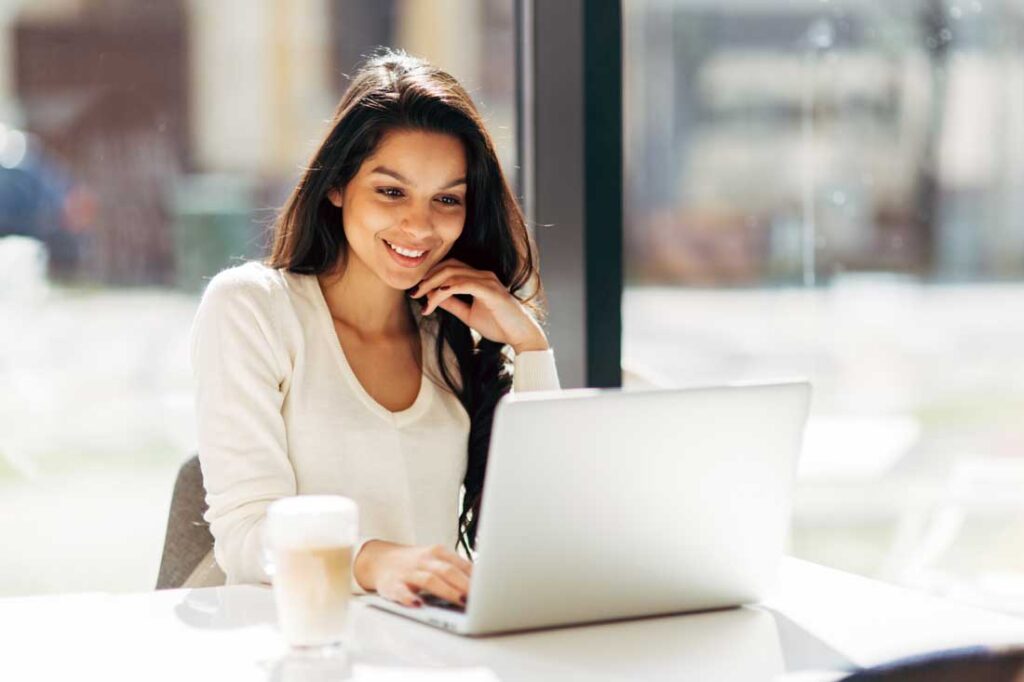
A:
[433,600]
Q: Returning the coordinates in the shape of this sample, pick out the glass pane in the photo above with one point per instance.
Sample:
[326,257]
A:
[143,147]
[834,190]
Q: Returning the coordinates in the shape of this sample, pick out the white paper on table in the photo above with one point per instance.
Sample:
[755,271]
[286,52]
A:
[372,673]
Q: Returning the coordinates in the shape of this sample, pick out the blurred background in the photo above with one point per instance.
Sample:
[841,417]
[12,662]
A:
[834,190]
[823,188]
[145,145]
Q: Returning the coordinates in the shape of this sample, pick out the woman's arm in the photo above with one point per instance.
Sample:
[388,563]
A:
[239,366]
[535,370]
[495,314]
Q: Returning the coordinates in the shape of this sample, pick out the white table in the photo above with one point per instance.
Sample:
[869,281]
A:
[817,620]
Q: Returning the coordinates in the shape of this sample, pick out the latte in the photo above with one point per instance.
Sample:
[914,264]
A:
[310,542]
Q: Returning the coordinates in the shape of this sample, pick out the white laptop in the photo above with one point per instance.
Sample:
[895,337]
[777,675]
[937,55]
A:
[604,504]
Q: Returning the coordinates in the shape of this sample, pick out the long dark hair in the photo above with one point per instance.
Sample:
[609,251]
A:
[394,91]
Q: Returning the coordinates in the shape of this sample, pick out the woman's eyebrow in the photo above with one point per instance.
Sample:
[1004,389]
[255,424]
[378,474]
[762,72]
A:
[401,178]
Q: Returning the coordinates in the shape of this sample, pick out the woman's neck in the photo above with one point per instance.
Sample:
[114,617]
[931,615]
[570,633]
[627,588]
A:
[358,299]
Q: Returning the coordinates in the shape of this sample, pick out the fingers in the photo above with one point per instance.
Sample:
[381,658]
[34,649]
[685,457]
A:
[460,309]
[442,552]
[435,570]
[437,583]
[451,576]
[447,262]
[436,278]
[474,287]
[403,594]
[443,278]
[443,573]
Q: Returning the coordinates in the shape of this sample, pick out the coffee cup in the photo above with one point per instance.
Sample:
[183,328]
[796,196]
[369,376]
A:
[309,540]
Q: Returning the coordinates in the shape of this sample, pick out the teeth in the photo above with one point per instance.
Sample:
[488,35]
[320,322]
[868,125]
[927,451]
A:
[405,252]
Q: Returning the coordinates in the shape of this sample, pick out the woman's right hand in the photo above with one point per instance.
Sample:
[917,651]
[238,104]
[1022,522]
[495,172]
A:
[400,572]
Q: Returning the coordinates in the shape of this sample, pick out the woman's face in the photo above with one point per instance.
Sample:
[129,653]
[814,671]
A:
[410,194]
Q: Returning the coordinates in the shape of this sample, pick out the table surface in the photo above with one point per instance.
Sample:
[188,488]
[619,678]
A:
[816,623]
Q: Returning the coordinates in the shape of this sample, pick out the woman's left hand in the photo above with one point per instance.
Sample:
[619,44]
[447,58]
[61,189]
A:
[494,312]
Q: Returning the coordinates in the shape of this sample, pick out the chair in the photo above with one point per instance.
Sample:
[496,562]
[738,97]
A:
[975,663]
[188,540]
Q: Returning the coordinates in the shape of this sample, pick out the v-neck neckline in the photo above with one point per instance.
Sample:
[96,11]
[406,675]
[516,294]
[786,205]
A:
[423,396]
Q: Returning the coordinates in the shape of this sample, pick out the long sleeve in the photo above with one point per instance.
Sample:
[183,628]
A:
[535,370]
[240,366]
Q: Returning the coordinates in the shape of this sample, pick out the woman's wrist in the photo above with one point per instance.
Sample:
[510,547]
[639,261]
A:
[539,342]
[364,568]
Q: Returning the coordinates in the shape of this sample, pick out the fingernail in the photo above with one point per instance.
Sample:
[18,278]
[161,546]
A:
[462,599]
[417,603]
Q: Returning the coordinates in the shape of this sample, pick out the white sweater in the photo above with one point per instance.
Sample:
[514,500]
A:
[280,412]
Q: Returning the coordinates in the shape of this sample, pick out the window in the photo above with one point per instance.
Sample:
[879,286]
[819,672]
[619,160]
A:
[143,147]
[834,190]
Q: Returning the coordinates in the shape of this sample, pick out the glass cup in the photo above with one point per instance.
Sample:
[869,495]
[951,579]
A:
[309,540]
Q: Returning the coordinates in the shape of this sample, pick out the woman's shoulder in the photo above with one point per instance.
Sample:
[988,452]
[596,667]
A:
[239,316]
[251,282]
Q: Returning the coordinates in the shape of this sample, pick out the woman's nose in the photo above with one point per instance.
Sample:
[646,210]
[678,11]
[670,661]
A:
[418,223]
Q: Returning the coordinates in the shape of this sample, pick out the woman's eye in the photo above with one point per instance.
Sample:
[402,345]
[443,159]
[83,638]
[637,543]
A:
[395,193]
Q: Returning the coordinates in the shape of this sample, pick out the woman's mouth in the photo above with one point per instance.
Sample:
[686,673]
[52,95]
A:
[407,258]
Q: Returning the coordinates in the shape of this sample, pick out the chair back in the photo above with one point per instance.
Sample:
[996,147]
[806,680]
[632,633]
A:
[188,539]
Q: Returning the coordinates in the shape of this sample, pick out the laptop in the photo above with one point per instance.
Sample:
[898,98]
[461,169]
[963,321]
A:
[606,504]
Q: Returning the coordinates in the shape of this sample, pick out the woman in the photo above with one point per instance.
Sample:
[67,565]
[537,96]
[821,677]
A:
[366,356]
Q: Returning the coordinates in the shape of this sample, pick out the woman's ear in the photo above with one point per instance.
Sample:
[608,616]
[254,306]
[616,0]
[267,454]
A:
[334,196]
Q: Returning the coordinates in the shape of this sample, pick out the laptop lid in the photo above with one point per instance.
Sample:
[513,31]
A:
[602,504]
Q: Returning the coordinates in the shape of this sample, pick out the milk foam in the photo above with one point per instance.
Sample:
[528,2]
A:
[312,521]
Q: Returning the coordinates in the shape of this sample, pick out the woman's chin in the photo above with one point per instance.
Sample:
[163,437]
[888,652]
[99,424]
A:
[402,281]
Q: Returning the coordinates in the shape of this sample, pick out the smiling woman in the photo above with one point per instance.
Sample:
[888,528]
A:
[312,369]
[400,205]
